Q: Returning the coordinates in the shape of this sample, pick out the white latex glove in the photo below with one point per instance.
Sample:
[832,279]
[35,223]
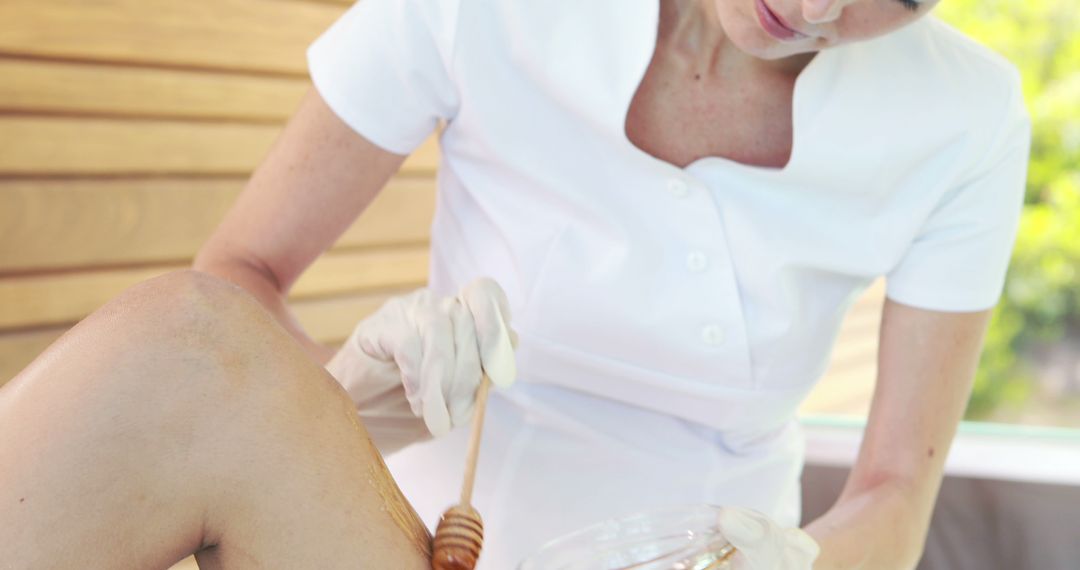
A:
[763,545]
[420,356]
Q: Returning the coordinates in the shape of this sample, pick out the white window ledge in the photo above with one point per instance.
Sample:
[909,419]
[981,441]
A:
[987,451]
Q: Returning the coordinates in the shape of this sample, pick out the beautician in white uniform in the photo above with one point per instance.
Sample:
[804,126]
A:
[678,200]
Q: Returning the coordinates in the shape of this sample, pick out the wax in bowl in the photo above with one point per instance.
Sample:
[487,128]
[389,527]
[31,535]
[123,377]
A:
[684,538]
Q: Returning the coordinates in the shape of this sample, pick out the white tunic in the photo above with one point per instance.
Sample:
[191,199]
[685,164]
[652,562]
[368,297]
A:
[671,319]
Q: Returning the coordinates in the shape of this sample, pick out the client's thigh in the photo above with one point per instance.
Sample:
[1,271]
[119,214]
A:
[180,418]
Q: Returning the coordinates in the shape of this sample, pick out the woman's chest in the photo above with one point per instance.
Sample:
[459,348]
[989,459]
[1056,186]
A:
[679,116]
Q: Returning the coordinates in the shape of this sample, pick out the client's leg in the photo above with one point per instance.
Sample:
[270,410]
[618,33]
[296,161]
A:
[181,418]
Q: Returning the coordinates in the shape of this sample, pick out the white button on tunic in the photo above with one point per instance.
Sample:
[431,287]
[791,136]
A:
[713,335]
[670,319]
[677,188]
[696,261]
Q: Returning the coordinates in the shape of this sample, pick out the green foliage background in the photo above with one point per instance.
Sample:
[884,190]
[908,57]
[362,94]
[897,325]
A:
[1041,304]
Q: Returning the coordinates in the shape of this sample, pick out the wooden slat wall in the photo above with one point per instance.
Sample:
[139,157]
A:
[127,129]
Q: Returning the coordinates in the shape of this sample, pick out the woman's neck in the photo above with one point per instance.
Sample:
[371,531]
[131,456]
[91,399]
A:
[691,32]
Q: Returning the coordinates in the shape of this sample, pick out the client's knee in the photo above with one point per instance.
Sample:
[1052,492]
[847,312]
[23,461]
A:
[184,300]
[189,346]
[222,327]
[190,328]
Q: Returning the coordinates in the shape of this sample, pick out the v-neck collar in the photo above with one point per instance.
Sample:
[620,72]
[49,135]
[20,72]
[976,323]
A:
[807,97]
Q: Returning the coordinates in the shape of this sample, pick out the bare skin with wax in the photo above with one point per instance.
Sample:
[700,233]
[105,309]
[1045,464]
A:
[393,502]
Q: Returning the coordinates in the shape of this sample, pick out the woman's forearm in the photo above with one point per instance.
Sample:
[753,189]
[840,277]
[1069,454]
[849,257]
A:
[926,364]
[268,292]
[882,527]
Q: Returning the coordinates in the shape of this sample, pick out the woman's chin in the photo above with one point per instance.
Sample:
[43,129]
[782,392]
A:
[754,42]
[746,33]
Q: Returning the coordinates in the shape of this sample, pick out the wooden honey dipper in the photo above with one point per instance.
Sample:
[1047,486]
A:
[460,534]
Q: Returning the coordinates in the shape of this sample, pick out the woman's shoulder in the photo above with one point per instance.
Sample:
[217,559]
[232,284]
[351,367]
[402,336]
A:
[927,80]
[932,59]
[964,57]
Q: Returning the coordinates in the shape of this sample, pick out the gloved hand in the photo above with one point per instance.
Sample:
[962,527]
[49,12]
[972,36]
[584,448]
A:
[763,545]
[420,356]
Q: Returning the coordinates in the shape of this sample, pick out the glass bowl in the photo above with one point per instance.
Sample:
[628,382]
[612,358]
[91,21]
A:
[682,538]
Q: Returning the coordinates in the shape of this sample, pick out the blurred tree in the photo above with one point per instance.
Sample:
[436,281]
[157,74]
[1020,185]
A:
[1041,304]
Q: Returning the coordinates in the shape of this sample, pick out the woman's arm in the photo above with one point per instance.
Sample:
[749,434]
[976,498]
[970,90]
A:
[318,177]
[926,364]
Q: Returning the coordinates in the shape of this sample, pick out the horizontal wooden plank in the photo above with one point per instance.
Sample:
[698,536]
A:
[328,321]
[331,320]
[400,215]
[873,297]
[33,86]
[37,300]
[70,146]
[864,324]
[854,352]
[343,3]
[67,146]
[256,35]
[841,393]
[348,272]
[18,349]
[844,389]
[52,224]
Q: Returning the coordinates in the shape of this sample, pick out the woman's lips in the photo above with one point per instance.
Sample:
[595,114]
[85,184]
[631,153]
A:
[773,25]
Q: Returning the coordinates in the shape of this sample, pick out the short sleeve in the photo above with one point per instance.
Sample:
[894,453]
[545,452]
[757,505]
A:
[384,68]
[957,261]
